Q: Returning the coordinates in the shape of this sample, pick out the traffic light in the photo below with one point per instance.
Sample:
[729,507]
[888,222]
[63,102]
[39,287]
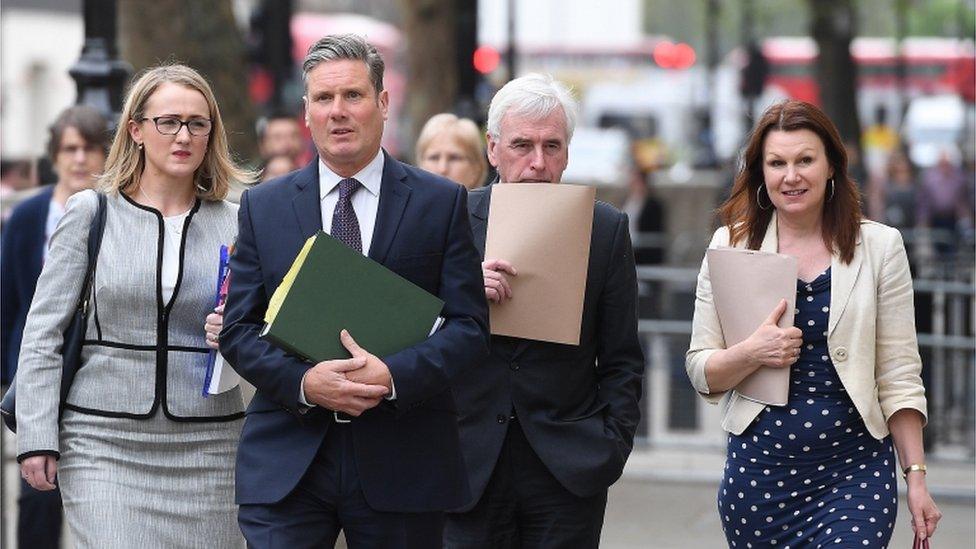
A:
[486,59]
[673,56]
[755,72]
[269,43]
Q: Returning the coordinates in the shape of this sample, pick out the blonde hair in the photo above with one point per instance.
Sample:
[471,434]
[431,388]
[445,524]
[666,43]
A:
[126,161]
[464,131]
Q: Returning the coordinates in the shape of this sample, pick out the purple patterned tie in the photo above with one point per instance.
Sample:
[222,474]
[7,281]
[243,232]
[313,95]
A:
[345,226]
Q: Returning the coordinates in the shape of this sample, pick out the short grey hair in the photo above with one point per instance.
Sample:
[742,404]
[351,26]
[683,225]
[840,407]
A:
[535,96]
[336,47]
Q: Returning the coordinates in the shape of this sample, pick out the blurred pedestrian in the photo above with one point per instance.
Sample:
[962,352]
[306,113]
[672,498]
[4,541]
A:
[280,134]
[453,147]
[18,182]
[892,198]
[547,428]
[820,470]
[76,146]
[944,203]
[880,141]
[142,458]
[277,166]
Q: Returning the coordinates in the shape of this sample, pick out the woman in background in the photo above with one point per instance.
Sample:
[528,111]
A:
[453,147]
[76,148]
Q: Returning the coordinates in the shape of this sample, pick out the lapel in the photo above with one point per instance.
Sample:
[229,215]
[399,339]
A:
[770,241]
[307,203]
[842,279]
[842,275]
[479,218]
[394,194]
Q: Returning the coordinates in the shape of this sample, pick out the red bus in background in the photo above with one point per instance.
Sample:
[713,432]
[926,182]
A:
[932,66]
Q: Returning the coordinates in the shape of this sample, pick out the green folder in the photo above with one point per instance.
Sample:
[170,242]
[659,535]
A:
[331,287]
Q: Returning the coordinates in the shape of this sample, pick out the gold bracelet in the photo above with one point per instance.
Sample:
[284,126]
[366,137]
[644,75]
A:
[914,467]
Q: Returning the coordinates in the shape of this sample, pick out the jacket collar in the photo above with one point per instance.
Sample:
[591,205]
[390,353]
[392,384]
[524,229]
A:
[394,193]
[842,275]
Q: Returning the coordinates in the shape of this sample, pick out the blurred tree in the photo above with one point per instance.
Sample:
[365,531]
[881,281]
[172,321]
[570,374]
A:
[203,35]
[833,25]
[430,27]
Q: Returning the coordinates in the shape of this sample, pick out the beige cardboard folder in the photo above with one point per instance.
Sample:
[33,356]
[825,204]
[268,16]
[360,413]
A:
[746,286]
[543,230]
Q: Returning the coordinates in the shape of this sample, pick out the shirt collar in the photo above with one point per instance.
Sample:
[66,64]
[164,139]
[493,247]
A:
[371,176]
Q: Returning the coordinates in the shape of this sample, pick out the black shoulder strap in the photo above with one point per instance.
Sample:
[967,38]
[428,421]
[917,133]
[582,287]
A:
[94,245]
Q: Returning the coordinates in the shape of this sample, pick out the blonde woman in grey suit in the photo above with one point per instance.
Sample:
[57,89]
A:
[142,458]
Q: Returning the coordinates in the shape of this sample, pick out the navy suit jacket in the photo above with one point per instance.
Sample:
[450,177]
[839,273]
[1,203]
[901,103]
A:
[577,404]
[406,450]
[21,259]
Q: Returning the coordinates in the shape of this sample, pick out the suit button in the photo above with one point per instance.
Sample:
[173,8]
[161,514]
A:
[840,354]
[514,366]
[502,418]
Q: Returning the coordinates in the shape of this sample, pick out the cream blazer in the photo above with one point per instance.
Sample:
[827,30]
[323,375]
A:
[870,333]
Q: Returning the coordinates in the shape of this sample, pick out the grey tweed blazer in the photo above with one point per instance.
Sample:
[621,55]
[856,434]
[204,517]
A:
[141,354]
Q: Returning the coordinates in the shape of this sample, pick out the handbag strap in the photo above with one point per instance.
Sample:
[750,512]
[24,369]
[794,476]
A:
[94,245]
[920,543]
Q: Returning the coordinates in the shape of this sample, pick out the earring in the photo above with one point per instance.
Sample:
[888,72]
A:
[758,201]
[831,181]
[140,146]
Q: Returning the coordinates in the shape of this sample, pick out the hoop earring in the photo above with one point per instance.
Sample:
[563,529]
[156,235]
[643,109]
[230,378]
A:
[758,201]
[831,181]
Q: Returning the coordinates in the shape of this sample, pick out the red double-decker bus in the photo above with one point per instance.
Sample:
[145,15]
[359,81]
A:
[932,66]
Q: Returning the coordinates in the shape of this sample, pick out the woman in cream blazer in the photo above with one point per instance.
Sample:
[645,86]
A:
[821,468]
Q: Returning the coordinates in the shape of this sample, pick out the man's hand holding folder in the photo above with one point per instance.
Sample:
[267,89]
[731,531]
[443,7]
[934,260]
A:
[351,385]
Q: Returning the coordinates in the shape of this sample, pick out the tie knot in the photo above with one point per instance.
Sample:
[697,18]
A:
[347,187]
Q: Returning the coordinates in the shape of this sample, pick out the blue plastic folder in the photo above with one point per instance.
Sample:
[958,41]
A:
[219,377]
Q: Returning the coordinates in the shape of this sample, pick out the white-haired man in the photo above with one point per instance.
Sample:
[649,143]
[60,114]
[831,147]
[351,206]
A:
[547,428]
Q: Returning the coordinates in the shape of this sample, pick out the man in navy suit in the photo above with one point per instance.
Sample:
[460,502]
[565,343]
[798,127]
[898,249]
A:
[546,428]
[367,445]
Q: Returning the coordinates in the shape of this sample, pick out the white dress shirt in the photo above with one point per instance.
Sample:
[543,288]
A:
[365,202]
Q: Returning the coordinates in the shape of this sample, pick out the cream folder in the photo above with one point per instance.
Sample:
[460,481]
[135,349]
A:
[543,230]
[746,286]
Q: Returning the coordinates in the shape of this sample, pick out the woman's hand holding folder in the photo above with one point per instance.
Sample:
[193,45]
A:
[769,345]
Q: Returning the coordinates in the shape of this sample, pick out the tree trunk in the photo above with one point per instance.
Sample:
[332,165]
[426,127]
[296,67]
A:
[432,83]
[203,35]
[834,25]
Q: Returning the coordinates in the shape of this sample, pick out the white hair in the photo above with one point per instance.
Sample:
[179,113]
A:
[534,96]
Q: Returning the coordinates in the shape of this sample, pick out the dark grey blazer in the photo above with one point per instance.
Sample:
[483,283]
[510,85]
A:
[577,404]
[141,355]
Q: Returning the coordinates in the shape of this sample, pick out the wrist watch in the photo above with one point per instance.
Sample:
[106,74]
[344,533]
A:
[914,467]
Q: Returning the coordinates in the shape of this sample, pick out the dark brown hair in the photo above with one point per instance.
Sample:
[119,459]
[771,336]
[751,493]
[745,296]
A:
[842,210]
[92,126]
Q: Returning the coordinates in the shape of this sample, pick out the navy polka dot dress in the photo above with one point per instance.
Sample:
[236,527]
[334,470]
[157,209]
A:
[809,474]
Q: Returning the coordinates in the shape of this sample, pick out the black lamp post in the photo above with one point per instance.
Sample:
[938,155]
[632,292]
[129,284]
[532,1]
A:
[99,74]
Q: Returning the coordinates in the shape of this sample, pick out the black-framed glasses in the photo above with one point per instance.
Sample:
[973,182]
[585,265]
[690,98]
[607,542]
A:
[171,125]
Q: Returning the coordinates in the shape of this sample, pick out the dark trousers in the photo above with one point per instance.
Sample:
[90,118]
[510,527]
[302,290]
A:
[525,507]
[38,518]
[330,499]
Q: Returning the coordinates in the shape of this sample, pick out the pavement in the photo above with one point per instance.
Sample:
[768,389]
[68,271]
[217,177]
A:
[667,499]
